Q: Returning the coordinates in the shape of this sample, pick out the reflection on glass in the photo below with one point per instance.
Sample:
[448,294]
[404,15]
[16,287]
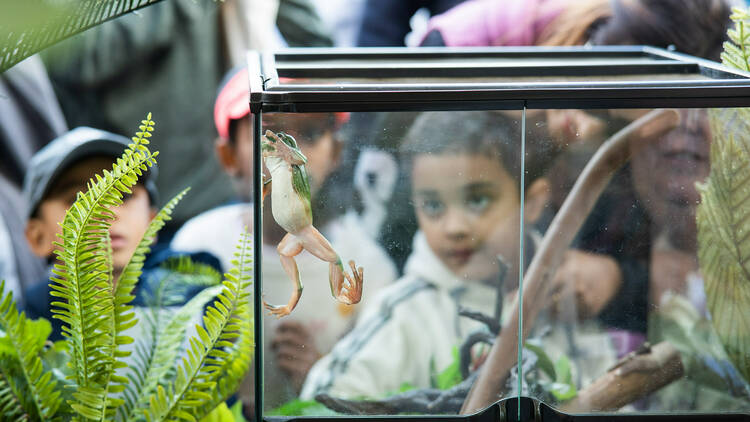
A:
[429,205]
[313,248]
[631,288]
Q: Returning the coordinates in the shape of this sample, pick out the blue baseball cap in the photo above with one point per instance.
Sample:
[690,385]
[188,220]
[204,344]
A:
[64,151]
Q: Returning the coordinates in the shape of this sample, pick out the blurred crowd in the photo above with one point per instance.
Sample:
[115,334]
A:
[66,113]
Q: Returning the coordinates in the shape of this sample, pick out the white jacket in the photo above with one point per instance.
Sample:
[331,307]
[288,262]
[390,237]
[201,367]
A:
[409,333]
[406,336]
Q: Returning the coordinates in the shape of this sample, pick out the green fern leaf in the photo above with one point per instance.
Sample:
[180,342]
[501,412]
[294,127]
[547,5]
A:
[723,219]
[82,280]
[156,363]
[235,367]
[737,50]
[27,339]
[199,378]
[723,216]
[189,274]
[14,392]
[124,317]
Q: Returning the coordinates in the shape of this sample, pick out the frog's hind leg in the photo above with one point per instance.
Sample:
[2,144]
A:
[289,247]
[344,287]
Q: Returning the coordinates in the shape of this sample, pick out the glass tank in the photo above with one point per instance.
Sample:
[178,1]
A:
[519,234]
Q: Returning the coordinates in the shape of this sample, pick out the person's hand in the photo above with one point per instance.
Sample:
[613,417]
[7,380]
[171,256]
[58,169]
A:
[573,126]
[295,351]
[584,284]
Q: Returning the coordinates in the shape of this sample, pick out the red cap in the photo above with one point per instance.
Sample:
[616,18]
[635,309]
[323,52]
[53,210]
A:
[233,102]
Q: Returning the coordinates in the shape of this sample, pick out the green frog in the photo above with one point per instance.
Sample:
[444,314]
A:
[290,207]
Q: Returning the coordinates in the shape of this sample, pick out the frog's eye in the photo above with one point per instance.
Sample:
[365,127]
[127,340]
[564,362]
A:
[288,139]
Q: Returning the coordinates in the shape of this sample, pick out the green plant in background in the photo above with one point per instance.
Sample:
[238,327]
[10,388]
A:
[29,26]
[90,375]
[559,383]
[723,217]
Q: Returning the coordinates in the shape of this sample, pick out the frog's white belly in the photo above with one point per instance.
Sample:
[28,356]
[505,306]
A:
[289,210]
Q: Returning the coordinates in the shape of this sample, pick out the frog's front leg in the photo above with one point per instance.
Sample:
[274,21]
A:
[345,288]
[289,247]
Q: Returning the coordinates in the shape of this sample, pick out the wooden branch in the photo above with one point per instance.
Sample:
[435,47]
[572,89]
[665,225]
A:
[612,155]
[633,379]
[423,401]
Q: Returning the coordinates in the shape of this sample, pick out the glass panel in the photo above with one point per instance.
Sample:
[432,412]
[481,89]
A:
[647,310]
[631,309]
[427,204]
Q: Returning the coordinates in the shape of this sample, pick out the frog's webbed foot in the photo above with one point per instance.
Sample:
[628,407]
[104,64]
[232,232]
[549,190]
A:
[345,287]
[350,290]
[278,310]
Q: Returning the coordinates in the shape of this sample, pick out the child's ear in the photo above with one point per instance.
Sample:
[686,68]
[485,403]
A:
[38,238]
[226,154]
[537,196]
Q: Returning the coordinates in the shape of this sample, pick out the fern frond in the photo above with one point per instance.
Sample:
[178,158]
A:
[155,363]
[737,51]
[124,317]
[27,339]
[236,365]
[190,275]
[225,320]
[13,392]
[82,280]
[29,27]
[723,220]
[723,216]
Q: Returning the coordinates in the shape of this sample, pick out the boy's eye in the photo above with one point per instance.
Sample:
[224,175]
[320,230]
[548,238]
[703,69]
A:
[431,207]
[478,202]
[70,199]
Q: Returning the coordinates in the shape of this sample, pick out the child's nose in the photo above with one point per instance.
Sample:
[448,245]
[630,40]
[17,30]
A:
[456,223]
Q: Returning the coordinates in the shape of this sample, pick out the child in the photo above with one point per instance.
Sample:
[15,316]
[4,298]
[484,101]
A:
[465,176]
[56,174]
[295,342]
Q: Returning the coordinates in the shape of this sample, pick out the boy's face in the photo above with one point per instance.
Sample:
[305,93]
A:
[314,135]
[243,151]
[131,218]
[467,207]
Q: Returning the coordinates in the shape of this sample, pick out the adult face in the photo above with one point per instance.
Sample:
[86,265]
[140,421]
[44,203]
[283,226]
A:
[665,171]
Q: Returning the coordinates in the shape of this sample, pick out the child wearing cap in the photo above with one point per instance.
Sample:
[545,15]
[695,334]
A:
[56,174]
[297,340]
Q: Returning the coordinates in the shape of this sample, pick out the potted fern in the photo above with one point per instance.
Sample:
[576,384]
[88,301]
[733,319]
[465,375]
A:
[92,374]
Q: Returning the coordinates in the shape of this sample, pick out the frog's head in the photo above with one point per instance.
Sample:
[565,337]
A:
[283,146]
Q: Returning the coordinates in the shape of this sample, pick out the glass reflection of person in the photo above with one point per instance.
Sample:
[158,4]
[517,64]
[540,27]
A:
[465,173]
[665,172]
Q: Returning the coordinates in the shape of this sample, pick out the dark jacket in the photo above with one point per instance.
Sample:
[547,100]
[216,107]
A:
[38,296]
